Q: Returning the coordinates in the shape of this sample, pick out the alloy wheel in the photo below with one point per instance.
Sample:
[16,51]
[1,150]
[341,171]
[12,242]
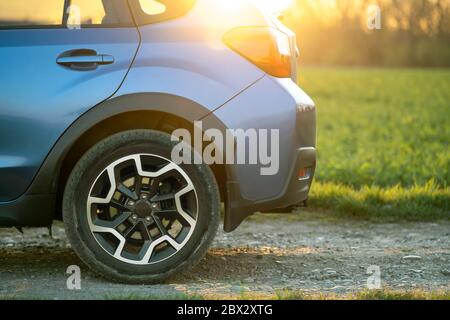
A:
[142,209]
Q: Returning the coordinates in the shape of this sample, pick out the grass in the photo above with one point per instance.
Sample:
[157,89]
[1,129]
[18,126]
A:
[133,296]
[383,142]
[385,294]
[378,204]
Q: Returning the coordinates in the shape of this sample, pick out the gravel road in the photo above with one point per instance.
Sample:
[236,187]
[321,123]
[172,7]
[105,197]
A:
[258,259]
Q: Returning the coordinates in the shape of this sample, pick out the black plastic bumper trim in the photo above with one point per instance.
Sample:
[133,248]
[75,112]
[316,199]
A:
[28,211]
[295,192]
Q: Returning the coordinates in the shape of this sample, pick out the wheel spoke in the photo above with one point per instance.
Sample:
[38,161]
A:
[150,249]
[121,218]
[119,206]
[144,231]
[168,167]
[185,190]
[160,226]
[119,249]
[186,216]
[166,213]
[173,243]
[162,197]
[157,242]
[127,192]
[172,215]
[153,186]
[138,185]
[130,231]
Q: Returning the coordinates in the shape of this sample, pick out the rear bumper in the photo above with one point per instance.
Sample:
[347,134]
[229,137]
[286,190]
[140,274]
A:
[296,191]
[279,104]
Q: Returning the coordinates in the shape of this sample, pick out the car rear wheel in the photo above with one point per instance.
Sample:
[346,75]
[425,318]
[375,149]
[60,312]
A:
[132,215]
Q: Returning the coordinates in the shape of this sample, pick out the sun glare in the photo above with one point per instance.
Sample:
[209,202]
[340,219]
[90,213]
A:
[274,6]
[152,7]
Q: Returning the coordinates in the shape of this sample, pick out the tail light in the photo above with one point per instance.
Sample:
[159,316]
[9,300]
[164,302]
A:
[266,47]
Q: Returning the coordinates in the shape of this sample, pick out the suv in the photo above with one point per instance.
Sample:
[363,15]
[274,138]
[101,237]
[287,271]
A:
[91,93]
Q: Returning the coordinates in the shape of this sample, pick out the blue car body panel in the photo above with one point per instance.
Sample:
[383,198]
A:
[180,67]
[179,58]
[40,99]
[254,110]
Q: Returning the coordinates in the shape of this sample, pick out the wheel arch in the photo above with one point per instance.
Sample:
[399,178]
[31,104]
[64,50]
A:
[155,111]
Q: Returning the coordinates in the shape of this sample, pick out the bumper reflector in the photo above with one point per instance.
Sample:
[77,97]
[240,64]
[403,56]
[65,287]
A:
[304,173]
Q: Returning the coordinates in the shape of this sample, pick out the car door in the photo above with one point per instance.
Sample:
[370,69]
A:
[58,59]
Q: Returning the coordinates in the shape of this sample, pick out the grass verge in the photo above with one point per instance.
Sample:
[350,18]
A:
[385,294]
[420,203]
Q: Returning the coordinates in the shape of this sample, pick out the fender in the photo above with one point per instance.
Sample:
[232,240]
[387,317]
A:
[46,182]
[40,198]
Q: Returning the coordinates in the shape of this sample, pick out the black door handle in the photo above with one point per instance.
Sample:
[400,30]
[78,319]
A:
[83,59]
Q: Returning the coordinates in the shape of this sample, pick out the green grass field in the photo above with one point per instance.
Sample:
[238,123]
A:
[368,295]
[386,294]
[383,141]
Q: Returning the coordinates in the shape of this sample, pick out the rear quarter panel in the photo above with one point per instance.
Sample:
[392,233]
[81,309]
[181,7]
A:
[186,57]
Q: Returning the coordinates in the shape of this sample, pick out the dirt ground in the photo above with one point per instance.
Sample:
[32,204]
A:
[260,259]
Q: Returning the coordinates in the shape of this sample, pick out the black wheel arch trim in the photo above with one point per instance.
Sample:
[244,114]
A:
[45,180]
[43,188]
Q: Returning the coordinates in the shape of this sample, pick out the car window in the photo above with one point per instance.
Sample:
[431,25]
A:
[98,13]
[152,11]
[64,13]
[25,13]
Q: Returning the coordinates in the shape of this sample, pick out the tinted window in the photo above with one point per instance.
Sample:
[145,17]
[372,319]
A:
[99,12]
[23,13]
[152,11]
[64,13]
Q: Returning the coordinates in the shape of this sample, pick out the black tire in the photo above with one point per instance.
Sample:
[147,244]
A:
[75,210]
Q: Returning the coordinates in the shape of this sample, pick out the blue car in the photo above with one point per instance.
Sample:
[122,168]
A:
[92,93]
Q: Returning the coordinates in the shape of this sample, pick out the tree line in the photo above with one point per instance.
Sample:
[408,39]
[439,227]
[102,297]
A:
[337,32]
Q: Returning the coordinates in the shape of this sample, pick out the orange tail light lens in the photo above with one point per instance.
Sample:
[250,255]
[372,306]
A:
[266,47]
